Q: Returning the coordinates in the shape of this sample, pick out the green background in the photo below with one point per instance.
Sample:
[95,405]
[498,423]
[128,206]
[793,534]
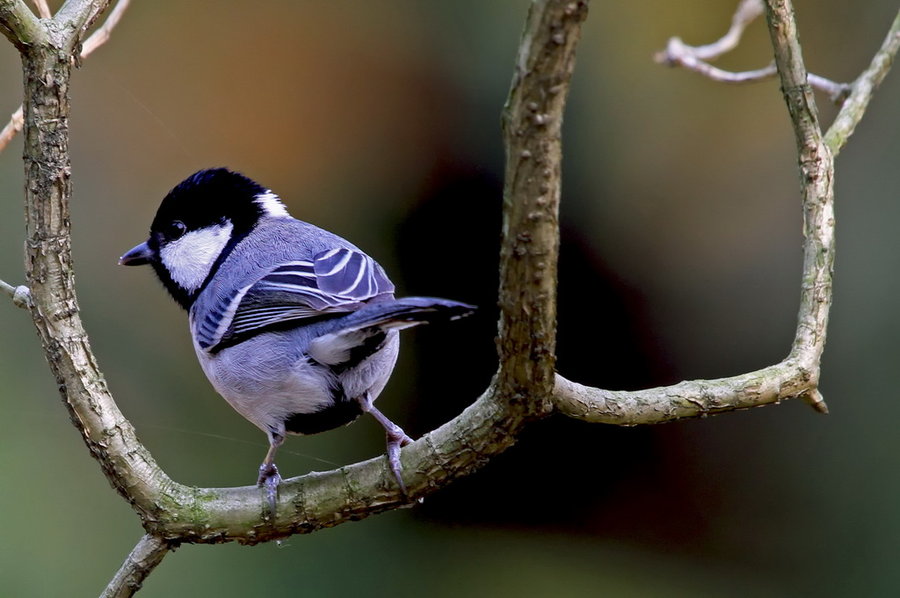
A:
[680,194]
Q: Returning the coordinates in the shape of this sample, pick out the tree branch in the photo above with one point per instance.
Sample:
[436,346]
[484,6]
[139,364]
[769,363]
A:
[525,387]
[695,58]
[746,12]
[14,126]
[147,554]
[180,513]
[862,90]
[532,123]
[75,17]
[102,34]
[96,39]
[798,374]
[19,24]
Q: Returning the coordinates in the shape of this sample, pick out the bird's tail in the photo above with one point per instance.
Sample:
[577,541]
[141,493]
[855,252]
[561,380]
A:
[356,336]
[408,311]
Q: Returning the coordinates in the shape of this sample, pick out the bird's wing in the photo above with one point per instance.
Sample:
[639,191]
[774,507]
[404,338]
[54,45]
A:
[334,282]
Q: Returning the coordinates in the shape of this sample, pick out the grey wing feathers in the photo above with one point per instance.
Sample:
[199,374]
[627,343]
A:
[335,281]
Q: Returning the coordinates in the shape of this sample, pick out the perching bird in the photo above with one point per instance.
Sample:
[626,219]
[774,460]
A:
[294,326]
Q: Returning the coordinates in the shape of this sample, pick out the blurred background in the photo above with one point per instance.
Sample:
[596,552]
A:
[379,120]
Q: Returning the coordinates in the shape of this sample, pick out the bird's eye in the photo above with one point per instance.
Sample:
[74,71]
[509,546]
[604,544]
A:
[175,230]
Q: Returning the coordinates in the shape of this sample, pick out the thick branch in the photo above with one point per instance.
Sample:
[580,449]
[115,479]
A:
[19,24]
[75,17]
[532,123]
[147,554]
[862,90]
[179,513]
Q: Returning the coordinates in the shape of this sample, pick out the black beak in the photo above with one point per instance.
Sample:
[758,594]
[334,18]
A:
[137,256]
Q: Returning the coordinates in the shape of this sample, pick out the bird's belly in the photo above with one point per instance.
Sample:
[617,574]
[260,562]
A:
[267,386]
[277,388]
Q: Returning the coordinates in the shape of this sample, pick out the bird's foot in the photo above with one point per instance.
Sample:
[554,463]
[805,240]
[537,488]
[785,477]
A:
[396,439]
[269,478]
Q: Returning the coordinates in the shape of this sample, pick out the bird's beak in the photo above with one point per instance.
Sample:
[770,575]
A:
[137,256]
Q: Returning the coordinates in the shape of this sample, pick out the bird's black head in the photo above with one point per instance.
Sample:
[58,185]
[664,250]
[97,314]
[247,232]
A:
[196,226]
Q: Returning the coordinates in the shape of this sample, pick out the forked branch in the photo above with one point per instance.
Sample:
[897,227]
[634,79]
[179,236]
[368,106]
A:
[798,374]
[94,41]
[525,387]
[697,58]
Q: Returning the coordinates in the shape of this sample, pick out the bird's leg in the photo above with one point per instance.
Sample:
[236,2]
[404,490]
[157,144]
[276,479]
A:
[396,438]
[269,478]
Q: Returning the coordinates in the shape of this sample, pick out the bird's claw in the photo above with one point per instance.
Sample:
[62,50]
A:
[394,443]
[269,479]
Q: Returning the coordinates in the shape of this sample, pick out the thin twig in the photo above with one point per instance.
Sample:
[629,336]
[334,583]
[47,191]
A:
[97,39]
[101,35]
[696,58]
[143,559]
[13,127]
[43,9]
[865,85]
[747,12]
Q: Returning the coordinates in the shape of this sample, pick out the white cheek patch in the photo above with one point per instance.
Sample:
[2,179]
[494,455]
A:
[190,258]
[271,205]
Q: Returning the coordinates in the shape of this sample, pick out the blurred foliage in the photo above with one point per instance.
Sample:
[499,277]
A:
[681,259]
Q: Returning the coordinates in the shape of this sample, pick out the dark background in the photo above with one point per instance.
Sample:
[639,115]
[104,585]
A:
[379,120]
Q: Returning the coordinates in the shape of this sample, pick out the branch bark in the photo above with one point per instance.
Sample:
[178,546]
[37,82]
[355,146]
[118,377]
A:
[96,39]
[862,90]
[532,123]
[798,374]
[175,512]
[19,24]
[147,554]
[525,386]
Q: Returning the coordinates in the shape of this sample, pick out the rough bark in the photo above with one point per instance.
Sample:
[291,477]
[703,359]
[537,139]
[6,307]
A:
[525,387]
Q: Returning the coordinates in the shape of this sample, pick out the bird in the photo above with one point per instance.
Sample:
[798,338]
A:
[296,327]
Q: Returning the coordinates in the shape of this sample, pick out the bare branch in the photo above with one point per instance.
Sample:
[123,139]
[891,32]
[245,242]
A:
[101,35]
[180,513]
[532,121]
[97,39]
[746,12]
[43,9]
[678,53]
[14,126]
[798,374]
[147,554]
[695,58]
[862,89]
[693,398]
[76,17]
[19,24]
